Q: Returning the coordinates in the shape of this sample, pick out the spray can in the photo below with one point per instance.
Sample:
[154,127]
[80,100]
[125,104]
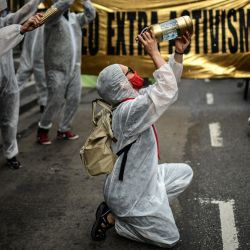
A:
[171,29]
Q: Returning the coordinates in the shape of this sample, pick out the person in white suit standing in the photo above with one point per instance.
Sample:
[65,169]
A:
[63,69]
[9,91]
[32,62]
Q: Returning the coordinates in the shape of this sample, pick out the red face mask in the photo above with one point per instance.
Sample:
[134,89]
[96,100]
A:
[136,81]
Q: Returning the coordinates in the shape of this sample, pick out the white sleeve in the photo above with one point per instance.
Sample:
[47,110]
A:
[61,5]
[139,114]
[176,67]
[88,15]
[21,15]
[9,37]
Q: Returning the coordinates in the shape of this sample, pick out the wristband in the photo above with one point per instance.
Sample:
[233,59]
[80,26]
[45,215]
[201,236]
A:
[178,52]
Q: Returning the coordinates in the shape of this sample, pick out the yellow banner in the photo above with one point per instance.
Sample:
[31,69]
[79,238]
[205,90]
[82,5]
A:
[219,48]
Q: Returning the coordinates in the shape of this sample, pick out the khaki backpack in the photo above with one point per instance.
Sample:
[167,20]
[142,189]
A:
[96,153]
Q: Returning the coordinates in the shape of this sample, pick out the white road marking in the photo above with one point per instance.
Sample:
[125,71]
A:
[228,228]
[215,134]
[210,98]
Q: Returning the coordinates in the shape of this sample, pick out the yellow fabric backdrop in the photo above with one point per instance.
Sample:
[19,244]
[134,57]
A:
[220,44]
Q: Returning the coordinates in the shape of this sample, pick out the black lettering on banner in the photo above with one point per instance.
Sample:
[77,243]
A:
[110,34]
[205,47]
[248,18]
[84,48]
[197,15]
[216,19]
[232,47]
[94,38]
[120,34]
[131,18]
[243,32]
[214,35]
[142,23]
[223,31]
[186,13]
[154,17]
[171,43]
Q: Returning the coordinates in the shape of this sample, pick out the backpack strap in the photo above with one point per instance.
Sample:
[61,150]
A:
[103,104]
[106,106]
[124,159]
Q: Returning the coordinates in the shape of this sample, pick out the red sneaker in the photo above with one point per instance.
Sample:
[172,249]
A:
[68,135]
[43,137]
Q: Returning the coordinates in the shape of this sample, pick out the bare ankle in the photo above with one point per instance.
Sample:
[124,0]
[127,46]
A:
[111,219]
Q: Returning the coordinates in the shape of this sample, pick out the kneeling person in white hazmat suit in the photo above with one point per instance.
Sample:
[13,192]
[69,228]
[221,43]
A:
[137,194]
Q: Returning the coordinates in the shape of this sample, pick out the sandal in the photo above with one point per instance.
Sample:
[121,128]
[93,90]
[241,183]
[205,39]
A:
[101,224]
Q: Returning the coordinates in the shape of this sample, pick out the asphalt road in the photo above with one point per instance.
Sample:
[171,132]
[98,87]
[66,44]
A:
[50,203]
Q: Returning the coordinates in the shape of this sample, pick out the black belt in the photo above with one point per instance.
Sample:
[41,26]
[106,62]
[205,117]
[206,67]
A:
[124,159]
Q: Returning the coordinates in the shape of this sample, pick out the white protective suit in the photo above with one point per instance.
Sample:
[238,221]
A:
[9,37]
[63,64]
[9,91]
[3,5]
[32,61]
[140,203]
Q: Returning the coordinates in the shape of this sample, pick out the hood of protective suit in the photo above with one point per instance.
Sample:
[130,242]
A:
[113,86]
[3,5]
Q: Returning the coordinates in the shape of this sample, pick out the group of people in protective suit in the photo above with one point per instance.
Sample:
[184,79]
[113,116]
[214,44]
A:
[138,205]
[56,69]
